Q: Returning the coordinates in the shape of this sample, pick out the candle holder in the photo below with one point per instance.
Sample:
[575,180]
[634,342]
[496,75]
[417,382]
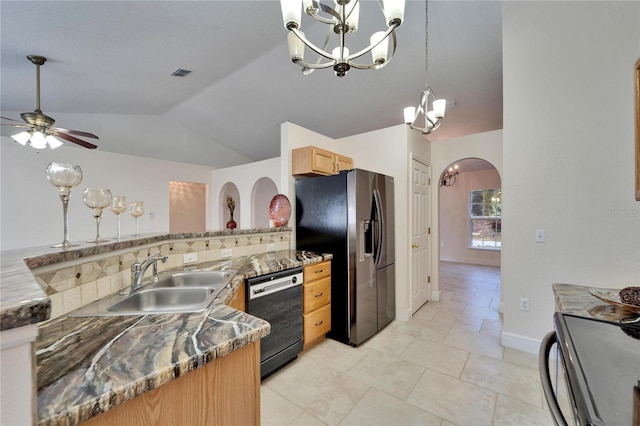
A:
[64,177]
[97,200]
[136,209]
[118,206]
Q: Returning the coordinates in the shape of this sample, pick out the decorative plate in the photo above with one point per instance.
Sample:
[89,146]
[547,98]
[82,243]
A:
[279,211]
[613,298]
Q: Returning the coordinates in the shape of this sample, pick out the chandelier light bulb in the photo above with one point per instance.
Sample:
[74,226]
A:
[379,52]
[409,114]
[393,11]
[291,12]
[439,107]
[296,47]
[22,138]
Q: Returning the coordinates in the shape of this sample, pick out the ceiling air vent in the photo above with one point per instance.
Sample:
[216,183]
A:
[180,72]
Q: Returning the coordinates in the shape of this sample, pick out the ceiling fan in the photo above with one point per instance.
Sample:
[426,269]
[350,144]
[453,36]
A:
[41,131]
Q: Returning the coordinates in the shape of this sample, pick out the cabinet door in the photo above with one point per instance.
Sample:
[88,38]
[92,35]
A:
[317,323]
[343,163]
[317,271]
[317,294]
[311,161]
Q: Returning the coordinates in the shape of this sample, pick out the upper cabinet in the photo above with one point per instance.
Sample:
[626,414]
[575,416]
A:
[314,161]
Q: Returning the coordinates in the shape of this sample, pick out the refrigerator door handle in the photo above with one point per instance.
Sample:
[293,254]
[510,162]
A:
[379,221]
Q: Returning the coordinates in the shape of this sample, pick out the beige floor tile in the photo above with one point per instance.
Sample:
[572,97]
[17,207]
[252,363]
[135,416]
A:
[491,327]
[390,343]
[485,312]
[511,412]
[282,378]
[435,356]
[423,329]
[387,373]
[379,408]
[323,392]
[470,341]
[337,355]
[454,400]
[306,419]
[276,410]
[427,311]
[453,319]
[518,382]
[520,358]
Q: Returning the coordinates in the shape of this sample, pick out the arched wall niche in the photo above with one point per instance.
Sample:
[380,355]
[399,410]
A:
[231,190]
[261,194]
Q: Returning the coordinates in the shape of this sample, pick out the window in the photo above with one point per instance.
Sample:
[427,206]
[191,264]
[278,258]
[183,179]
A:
[485,219]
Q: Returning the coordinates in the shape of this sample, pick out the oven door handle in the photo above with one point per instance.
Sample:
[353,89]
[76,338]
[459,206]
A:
[545,377]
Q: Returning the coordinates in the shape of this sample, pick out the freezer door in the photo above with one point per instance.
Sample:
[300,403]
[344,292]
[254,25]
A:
[363,295]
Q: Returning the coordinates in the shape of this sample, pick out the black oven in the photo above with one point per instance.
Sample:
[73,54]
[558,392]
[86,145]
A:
[277,298]
[600,361]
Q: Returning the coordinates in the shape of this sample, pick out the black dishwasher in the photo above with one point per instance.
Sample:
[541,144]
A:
[277,298]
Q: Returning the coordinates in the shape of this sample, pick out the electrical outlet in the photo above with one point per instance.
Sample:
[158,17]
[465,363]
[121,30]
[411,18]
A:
[271,247]
[226,253]
[524,304]
[540,236]
[189,257]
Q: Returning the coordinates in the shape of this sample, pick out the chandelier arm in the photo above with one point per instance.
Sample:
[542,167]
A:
[316,66]
[390,30]
[312,46]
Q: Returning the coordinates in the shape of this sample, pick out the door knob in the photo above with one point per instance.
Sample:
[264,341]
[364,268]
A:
[415,246]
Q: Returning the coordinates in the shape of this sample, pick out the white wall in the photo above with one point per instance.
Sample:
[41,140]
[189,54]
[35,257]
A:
[568,155]
[386,151]
[243,177]
[31,210]
[454,218]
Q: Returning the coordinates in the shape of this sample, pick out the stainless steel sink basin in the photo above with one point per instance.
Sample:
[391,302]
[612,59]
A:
[174,292]
[163,300]
[194,279]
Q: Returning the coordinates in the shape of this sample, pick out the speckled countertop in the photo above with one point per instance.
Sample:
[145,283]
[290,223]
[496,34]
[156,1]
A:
[22,300]
[576,300]
[86,366]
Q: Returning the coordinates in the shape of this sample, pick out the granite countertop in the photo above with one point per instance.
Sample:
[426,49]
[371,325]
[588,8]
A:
[576,300]
[22,300]
[86,366]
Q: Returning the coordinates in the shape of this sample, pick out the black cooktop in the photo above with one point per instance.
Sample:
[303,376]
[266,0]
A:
[602,360]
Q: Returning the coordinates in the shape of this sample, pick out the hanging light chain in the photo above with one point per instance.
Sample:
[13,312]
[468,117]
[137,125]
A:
[426,42]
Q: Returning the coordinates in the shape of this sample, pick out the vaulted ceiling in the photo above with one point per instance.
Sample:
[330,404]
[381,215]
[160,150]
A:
[109,66]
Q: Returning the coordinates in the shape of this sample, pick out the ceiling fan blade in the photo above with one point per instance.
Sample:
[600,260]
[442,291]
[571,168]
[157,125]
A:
[11,119]
[77,132]
[14,125]
[75,140]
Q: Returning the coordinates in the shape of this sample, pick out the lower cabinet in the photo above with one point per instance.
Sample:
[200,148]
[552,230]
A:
[317,301]
[226,391]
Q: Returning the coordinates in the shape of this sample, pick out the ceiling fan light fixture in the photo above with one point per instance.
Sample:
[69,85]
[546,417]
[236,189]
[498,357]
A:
[53,142]
[22,138]
[38,141]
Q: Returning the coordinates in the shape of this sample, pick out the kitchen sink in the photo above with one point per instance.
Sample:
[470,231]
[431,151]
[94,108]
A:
[174,292]
[163,300]
[194,279]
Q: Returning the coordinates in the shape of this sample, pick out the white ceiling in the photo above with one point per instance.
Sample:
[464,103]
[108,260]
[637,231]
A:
[110,58]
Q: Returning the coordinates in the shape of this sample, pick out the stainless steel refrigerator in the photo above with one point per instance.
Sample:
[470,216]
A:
[351,216]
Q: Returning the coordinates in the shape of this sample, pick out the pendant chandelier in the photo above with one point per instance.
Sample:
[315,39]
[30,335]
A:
[432,118]
[342,18]
[448,178]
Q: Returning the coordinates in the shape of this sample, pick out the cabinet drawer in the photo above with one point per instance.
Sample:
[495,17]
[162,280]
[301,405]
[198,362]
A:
[317,294]
[317,271]
[317,323]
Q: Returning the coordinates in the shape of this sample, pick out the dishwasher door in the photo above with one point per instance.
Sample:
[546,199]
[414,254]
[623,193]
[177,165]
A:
[278,300]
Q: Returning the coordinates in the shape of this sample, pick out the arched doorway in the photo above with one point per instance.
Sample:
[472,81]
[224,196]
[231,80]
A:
[470,227]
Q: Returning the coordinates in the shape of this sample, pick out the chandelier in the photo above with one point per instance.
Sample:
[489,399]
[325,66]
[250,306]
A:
[449,176]
[342,18]
[433,117]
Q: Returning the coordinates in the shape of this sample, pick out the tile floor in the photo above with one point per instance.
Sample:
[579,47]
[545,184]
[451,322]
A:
[445,366]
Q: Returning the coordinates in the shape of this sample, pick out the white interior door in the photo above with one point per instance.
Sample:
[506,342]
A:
[420,235]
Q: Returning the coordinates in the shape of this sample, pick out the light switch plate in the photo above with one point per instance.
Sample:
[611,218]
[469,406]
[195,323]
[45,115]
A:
[189,257]
[540,238]
[226,252]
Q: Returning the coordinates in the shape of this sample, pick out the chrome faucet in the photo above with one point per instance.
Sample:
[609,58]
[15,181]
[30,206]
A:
[138,270]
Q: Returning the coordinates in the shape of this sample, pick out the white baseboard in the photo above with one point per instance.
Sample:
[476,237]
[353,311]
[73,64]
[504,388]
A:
[521,343]
[435,296]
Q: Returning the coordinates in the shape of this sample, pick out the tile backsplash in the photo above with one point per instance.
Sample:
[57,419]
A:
[73,284]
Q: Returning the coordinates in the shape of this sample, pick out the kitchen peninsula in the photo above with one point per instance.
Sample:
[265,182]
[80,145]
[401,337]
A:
[88,366]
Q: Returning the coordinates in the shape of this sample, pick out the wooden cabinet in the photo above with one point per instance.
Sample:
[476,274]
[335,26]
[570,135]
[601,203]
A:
[238,300]
[314,161]
[317,301]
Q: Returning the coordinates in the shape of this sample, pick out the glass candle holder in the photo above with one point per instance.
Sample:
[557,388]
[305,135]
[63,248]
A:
[64,177]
